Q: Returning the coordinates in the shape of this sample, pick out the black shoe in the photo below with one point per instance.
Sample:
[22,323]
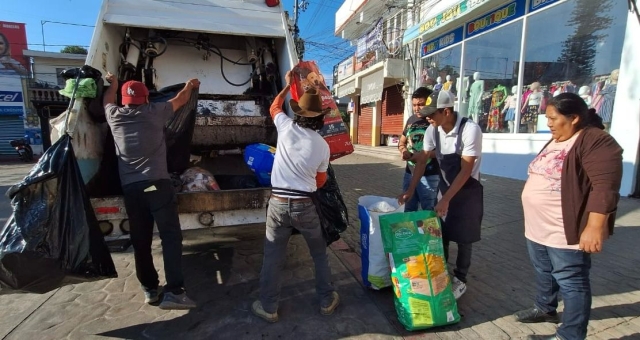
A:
[534,315]
[542,337]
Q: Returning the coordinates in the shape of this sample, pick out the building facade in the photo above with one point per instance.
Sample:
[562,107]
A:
[43,99]
[374,77]
[504,59]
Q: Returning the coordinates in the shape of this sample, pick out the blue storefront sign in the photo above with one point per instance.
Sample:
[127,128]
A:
[10,97]
[495,18]
[538,4]
[11,110]
[454,12]
[441,42]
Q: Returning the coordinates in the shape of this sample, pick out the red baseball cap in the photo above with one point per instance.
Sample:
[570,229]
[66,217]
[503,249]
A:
[134,93]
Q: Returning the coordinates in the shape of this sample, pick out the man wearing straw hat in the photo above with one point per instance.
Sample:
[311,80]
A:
[299,169]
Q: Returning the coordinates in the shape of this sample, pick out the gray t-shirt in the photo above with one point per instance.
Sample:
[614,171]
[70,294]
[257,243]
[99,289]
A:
[140,141]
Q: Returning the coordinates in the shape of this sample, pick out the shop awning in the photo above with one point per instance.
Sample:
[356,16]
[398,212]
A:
[346,89]
[372,87]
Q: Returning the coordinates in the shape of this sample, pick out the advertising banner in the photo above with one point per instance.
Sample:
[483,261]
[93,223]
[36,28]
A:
[370,41]
[13,39]
[11,97]
[306,75]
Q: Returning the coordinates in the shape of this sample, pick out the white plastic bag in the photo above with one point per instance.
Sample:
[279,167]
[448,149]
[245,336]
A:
[375,265]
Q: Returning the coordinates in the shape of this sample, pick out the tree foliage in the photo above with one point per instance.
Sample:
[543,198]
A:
[74,49]
[589,19]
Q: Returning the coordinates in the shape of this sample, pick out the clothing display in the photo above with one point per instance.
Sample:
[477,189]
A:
[605,109]
[495,119]
[475,100]
[530,114]
[437,87]
[447,85]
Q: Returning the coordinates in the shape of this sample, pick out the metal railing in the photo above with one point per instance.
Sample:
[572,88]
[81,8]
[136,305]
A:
[46,95]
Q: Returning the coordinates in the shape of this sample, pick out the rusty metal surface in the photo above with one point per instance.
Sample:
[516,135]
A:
[224,200]
[215,132]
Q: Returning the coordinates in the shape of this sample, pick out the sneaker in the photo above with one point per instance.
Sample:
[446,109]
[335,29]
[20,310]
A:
[328,307]
[151,296]
[458,287]
[177,301]
[258,311]
[534,315]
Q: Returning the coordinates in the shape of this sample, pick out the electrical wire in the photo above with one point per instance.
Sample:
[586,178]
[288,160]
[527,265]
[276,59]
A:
[215,49]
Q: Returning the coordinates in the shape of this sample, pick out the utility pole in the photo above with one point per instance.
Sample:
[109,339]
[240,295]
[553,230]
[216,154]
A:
[298,6]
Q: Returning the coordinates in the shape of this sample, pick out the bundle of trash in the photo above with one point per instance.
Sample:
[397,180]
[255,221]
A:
[197,179]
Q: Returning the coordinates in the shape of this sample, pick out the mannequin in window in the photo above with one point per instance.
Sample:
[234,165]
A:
[447,84]
[509,110]
[585,93]
[606,98]
[438,85]
[475,97]
[495,121]
[531,108]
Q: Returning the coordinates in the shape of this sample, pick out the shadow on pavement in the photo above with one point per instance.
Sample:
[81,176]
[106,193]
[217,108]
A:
[223,277]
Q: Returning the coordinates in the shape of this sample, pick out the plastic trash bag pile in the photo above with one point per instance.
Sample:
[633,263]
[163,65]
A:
[52,238]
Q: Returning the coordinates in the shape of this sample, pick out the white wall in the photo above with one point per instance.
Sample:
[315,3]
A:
[509,155]
[625,126]
[45,68]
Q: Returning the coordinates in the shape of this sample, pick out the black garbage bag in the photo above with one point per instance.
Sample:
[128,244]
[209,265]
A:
[52,238]
[179,129]
[331,208]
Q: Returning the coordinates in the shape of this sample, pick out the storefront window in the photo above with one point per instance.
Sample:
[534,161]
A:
[574,47]
[440,71]
[490,74]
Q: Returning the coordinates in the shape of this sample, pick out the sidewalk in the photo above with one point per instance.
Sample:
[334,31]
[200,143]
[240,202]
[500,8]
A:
[222,269]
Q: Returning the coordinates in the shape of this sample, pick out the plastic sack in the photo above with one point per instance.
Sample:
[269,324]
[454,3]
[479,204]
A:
[52,238]
[307,75]
[421,282]
[179,129]
[375,266]
[334,217]
[198,179]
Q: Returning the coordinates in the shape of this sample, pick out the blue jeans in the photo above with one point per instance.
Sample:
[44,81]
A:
[565,271]
[282,218]
[426,192]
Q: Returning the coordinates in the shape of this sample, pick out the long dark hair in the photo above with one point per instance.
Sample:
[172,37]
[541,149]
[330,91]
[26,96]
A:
[570,104]
[313,123]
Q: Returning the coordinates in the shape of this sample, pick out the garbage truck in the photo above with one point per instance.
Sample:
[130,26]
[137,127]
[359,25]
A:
[240,50]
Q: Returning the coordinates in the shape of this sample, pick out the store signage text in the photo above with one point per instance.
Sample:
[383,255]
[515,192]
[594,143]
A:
[10,96]
[441,42]
[11,110]
[449,14]
[496,18]
[537,4]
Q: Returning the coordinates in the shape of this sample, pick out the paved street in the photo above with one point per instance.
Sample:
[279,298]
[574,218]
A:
[222,267]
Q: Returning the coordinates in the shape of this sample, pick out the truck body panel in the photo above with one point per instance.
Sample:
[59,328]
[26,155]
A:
[163,43]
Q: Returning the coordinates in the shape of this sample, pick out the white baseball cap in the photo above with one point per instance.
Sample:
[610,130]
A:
[437,100]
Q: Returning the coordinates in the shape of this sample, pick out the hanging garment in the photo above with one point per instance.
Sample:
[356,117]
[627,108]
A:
[608,96]
[495,120]
[530,114]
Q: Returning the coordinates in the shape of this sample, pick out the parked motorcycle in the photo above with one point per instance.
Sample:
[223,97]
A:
[23,148]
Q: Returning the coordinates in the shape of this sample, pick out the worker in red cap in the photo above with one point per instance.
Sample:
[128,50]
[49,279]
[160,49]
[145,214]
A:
[149,196]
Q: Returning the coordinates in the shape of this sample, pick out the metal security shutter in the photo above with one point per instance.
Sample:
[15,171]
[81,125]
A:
[392,111]
[11,127]
[365,121]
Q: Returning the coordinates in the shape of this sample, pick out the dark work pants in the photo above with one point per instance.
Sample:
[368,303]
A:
[463,260]
[147,202]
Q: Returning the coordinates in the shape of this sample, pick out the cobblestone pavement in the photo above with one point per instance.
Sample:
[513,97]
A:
[222,269]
